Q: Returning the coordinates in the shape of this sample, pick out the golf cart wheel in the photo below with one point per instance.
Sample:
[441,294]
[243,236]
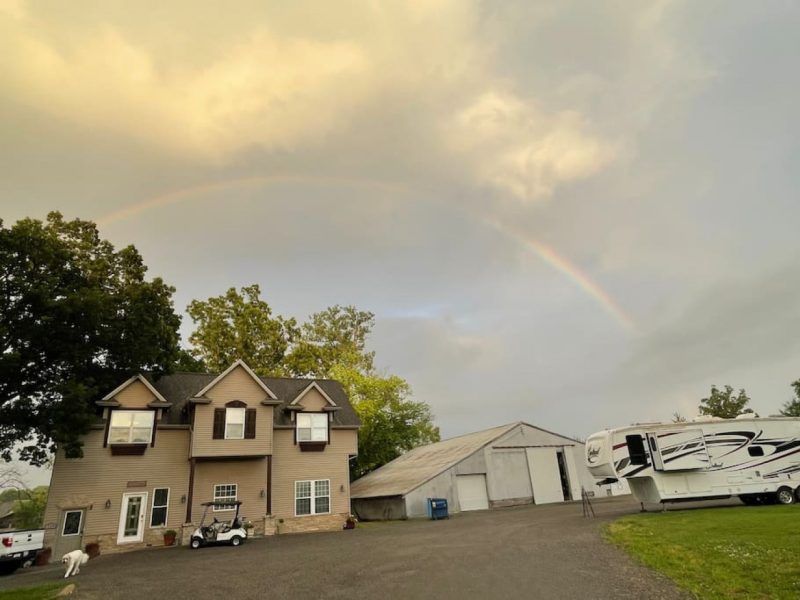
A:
[236,540]
[785,495]
[195,543]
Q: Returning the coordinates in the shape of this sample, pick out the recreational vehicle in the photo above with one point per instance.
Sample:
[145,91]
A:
[755,459]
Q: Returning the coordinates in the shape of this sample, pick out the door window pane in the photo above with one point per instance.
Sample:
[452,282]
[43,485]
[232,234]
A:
[132,512]
[72,522]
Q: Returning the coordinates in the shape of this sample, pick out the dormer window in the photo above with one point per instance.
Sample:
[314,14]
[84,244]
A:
[131,427]
[234,423]
[312,427]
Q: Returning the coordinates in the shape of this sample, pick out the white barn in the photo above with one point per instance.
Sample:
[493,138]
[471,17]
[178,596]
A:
[503,466]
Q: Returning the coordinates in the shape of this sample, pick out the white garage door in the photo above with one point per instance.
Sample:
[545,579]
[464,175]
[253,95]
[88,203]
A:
[472,492]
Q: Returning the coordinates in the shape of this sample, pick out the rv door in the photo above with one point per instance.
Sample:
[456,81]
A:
[655,453]
[683,449]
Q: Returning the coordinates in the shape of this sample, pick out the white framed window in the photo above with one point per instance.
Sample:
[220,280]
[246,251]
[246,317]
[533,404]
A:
[131,426]
[312,427]
[223,492]
[158,514]
[312,497]
[234,423]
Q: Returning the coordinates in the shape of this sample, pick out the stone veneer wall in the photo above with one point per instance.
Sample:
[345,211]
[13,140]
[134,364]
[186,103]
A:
[108,542]
[334,522]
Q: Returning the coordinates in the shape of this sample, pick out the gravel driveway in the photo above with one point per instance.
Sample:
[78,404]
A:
[523,552]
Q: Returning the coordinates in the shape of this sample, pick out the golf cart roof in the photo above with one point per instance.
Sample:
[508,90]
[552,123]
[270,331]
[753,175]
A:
[223,503]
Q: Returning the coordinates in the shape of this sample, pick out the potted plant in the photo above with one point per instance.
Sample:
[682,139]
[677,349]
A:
[169,537]
[350,523]
[93,549]
[248,527]
[43,556]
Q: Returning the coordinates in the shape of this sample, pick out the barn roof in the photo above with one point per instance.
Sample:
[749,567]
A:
[419,465]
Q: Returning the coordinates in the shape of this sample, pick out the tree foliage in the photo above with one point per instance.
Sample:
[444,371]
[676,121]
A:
[334,337]
[78,317]
[29,508]
[792,407]
[240,325]
[391,423]
[724,403]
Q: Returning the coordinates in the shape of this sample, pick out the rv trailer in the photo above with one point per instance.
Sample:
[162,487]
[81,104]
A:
[755,459]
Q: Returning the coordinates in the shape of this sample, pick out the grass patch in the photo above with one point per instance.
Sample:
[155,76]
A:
[719,553]
[38,592]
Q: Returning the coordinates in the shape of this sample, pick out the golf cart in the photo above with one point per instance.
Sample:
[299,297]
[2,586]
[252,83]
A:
[219,532]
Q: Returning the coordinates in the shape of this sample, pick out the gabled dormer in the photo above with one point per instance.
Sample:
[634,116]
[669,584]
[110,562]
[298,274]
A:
[312,411]
[131,413]
[232,415]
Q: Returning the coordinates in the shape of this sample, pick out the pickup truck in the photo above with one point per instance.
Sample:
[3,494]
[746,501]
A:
[19,547]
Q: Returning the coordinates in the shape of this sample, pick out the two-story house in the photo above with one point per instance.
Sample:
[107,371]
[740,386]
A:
[161,448]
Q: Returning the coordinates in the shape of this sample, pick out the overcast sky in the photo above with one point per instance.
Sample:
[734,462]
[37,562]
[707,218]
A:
[575,214]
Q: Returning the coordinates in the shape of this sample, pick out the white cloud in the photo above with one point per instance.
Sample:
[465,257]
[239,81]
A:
[517,148]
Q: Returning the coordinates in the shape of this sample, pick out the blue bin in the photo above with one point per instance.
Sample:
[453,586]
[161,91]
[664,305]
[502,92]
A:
[437,508]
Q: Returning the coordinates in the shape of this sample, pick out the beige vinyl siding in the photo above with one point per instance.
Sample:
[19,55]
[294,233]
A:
[290,465]
[237,385]
[250,476]
[313,401]
[90,481]
[136,395]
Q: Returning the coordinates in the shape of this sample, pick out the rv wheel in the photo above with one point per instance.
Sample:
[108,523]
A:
[785,495]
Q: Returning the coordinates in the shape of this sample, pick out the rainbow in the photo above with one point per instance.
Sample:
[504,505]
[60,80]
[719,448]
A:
[539,249]
[177,196]
[567,268]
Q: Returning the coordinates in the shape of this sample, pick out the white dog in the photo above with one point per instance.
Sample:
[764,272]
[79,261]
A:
[74,560]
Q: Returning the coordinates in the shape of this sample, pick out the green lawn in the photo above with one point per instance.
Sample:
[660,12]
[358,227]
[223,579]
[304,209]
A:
[38,592]
[719,553]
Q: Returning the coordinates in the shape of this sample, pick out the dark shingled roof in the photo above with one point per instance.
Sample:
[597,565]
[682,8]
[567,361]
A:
[178,388]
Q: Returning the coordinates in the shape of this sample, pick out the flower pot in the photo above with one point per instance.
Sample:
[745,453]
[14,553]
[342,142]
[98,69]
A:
[43,557]
[93,550]
[169,538]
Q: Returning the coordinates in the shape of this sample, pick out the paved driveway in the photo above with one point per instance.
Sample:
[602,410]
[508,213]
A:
[523,552]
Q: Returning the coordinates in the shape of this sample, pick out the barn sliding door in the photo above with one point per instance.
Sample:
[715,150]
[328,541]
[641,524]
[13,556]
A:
[545,476]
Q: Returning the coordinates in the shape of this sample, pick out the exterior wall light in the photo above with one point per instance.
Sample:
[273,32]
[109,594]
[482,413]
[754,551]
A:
[108,504]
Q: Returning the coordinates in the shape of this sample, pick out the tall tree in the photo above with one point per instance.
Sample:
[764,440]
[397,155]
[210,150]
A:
[78,317]
[792,407]
[337,336]
[724,404]
[391,422]
[240,325]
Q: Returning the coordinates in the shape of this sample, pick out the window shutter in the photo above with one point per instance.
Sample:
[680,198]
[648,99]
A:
[219,423]
[250,424]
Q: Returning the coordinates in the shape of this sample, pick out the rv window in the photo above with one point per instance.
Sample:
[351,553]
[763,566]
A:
[636,449]
[755,451]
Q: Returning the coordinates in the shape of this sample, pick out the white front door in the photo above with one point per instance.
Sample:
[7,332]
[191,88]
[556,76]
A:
[131,517]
